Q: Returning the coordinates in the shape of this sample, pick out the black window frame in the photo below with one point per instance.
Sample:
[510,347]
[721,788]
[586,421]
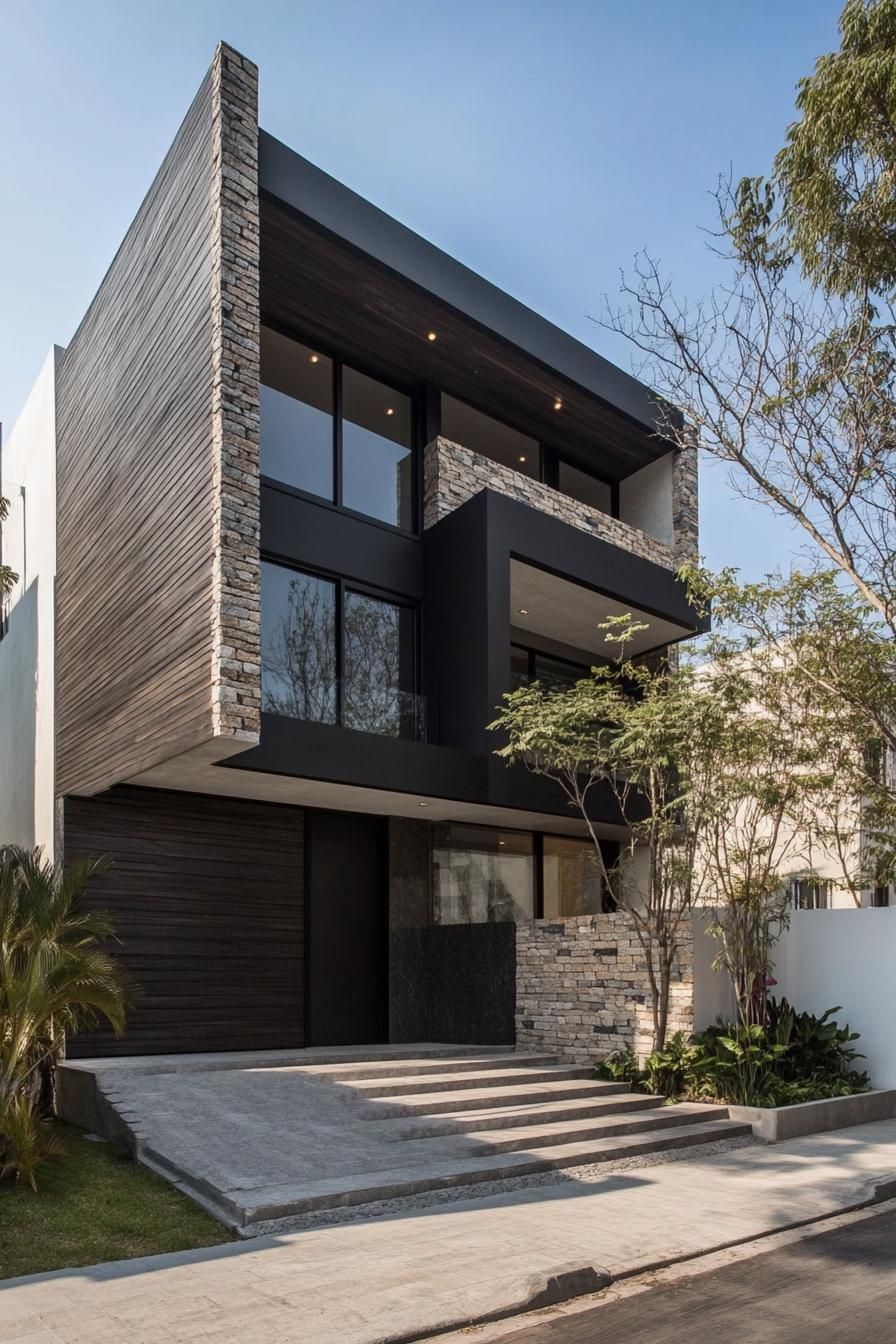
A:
[409,389]
[343,584]
[532,654]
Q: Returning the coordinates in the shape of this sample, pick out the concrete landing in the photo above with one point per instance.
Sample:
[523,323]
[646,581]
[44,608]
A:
[264,1139]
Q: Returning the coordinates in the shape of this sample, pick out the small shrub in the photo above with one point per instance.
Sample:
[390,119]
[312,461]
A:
[25,1140]
[792,1058]
[621,1067]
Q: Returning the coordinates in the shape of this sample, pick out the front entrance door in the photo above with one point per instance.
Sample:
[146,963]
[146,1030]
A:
[346,922]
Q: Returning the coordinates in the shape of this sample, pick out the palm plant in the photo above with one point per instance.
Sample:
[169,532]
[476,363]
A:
[55,979]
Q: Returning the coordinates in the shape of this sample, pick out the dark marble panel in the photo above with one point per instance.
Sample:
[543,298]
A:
[453,982]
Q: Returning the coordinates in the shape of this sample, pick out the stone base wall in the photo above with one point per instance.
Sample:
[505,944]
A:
[582,990]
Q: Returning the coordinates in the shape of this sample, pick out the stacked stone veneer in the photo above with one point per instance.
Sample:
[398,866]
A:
[453,474]
[582,990]
[236,671]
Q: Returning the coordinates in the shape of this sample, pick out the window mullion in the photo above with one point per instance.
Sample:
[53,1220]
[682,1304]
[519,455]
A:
[337,432]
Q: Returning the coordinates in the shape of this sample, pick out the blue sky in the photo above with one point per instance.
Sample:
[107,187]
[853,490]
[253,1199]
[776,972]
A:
[542,142]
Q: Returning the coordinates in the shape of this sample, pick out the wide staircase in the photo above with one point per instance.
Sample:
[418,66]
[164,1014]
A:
[269,1140]
[462,1119]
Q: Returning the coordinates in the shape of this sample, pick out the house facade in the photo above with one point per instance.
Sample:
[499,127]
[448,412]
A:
[321,496]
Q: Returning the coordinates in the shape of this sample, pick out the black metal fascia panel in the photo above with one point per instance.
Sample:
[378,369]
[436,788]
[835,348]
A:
[537,538]
[342,212]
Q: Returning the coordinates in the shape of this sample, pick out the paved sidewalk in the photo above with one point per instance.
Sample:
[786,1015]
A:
[404,1277]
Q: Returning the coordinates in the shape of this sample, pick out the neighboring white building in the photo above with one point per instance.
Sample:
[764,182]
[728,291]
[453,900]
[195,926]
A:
[27,692]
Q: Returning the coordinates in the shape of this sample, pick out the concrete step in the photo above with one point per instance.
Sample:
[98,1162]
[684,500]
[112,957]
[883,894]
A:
[482,1078]
[485,1098]
[248,1208]
[527,1137]
[506,1117]
[392,1068]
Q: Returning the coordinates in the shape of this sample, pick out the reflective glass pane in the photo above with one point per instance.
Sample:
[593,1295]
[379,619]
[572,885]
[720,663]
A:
[296,414]
[483,876]
[490,438]
[377,463]
[379,666]
[519,666]
[572,877]
[556,674]
[298,644]
[583,487]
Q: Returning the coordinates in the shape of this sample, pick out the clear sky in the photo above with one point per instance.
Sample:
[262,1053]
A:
[542,142]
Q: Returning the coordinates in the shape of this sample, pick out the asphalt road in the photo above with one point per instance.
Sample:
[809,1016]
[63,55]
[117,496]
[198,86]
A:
[838,1287]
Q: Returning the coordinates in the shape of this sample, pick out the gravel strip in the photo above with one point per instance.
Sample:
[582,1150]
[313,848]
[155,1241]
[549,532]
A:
[588,1175]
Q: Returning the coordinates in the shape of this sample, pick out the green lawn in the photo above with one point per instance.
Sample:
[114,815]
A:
[93,1204]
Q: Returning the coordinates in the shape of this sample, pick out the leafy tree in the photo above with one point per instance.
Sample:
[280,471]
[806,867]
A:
[840,693]
[786,370]
[648,733]
[54,979]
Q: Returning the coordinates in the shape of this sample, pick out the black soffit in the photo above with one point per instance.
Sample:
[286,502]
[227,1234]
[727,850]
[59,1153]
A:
[337,268]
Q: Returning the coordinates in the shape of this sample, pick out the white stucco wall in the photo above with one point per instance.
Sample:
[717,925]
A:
[827,959]
[27,802]
[645,499]
[846,957]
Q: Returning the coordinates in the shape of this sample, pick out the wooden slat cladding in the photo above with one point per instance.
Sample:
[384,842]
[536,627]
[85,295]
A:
[207,898]
[143,655]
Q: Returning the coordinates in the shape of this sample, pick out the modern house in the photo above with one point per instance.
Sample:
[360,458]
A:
[302,498]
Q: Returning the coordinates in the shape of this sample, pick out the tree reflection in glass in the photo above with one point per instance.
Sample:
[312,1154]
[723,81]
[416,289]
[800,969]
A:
[298,637]
[378,640]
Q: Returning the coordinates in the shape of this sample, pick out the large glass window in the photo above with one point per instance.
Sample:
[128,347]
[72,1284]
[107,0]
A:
[489,437]
[298,644]
[584,487]
[483,876]
[379,666]
[376,449]
[305,399]
[573,883]
[296,415]
[334,655]
[555,674]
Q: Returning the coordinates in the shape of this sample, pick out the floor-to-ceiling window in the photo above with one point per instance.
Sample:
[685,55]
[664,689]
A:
[572,882]
[333,653]
[482,876]
[335,433]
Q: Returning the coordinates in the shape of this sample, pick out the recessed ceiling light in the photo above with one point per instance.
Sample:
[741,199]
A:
[423,804]
[502,842]
[558,405]
[524,611]
[522,457]
[315,359]
[432,336]
[390,410]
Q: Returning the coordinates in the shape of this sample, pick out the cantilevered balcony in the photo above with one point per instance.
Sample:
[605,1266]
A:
[453,474]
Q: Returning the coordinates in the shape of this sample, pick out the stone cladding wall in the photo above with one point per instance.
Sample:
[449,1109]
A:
[453,474]
[236,673]
[582,990]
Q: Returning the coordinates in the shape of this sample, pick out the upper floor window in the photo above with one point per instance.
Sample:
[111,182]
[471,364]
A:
[490,438]
[334,432]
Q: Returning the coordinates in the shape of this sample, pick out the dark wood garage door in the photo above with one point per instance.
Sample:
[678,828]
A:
[207,899]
